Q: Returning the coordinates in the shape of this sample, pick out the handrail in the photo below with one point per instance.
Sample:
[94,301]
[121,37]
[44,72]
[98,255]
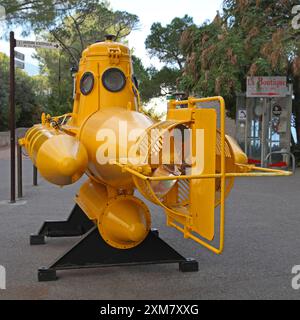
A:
[283,153]
[191,102]
[266,172]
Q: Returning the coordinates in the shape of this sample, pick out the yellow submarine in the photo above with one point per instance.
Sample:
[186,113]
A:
[122,151]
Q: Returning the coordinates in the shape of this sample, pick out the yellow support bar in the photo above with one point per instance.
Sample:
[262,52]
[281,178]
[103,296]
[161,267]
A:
[262,172]
[266,173]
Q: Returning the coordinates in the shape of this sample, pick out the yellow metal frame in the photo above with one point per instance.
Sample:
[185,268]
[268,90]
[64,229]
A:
[63,148]
[249,172]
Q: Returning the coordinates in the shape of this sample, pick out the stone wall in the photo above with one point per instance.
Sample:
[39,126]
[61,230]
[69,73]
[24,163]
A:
[5,136]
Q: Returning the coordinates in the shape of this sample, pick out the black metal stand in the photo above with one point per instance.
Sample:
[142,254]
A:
[93,252]
[77,225]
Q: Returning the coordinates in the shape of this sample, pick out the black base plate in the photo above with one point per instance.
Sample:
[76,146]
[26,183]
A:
[36,240]
[93,252]
[77,225]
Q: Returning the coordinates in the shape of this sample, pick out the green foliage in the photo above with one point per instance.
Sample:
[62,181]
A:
[28,109]
[154,83]
[57,88]
[163,42]
[167,78]
[251,38]
[74,25]
[146,88]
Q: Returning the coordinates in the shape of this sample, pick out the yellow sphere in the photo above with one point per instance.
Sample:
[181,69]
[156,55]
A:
[105,136]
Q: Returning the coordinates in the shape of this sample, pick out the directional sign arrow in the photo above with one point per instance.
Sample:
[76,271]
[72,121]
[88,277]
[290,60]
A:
[36,44]
[19,56]
[271,94]
[19,64]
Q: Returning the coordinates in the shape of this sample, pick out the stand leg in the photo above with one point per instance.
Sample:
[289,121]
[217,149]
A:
[77,225]
[190,265]
[45,274]
[93,252]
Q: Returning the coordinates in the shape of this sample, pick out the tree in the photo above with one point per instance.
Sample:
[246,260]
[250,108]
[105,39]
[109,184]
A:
[146,88]
[155,83]
[28,109]
[211,66]
[57,86]
[74,24]
[251,38]
[163,42]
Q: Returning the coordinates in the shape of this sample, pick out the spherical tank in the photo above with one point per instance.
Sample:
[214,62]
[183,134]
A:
[109,135]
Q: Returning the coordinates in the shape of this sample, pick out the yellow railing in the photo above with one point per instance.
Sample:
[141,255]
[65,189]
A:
[262,172]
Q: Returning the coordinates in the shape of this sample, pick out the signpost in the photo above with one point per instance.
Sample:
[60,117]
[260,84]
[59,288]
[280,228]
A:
[36,44]
[17,60]
[12,119]
[266,87]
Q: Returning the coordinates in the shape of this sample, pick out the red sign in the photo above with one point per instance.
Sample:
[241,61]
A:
[260,87]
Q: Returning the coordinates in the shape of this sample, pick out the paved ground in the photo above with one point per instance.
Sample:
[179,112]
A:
[262,246]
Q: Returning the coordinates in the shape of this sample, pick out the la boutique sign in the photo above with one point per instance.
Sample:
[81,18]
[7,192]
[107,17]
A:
[261,87]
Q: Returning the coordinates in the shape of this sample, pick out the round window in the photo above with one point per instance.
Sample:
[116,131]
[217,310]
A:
[87,83]
[114,80]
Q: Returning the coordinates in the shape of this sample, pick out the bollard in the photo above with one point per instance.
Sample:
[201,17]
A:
[35,176]
[19,171]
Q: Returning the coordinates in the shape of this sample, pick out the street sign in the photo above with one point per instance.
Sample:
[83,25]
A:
[36,44]
[266,87]
[19,64]
[19,56]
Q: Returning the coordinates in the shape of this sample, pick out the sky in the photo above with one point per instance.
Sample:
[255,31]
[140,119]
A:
[163,11]
[149,12]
